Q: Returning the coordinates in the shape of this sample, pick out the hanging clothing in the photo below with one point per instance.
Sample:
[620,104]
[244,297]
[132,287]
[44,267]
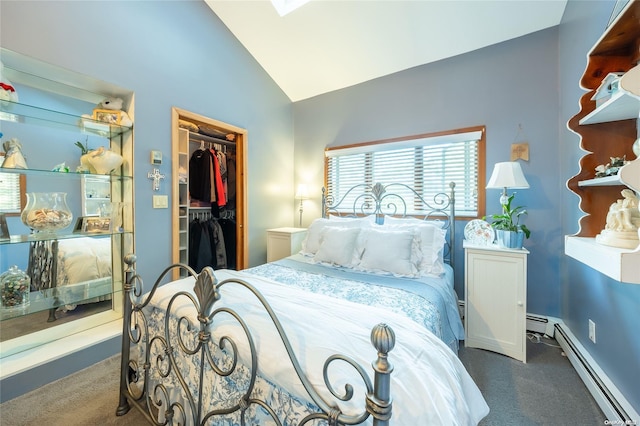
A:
[200,175]
[219,186]
[206,245]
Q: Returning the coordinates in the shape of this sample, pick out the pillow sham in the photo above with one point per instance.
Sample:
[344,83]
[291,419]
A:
[311,243]
[389,251]
[337,245]
[392,220]
[431,241]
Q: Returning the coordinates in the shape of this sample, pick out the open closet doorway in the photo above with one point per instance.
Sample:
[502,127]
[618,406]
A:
[209,215]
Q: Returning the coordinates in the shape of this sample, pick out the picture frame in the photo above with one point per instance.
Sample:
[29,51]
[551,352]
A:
[107,116]
[4,229]
[93,225]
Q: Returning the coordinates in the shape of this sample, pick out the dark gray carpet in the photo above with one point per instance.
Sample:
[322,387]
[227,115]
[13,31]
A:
[545,391]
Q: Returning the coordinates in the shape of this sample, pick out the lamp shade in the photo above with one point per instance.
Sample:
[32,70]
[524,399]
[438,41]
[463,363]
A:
[302,192]
[507,175]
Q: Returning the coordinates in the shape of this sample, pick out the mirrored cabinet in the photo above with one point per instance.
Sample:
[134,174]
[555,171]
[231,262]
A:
[67,225]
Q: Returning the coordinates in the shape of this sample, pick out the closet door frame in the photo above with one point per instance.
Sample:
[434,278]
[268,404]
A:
[242,255]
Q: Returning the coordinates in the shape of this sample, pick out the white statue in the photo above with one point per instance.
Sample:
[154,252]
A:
[623,222]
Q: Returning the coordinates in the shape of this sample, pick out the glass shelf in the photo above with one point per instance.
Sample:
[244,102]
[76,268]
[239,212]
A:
[72,294]
[28,114]
[48,236]
[64,175]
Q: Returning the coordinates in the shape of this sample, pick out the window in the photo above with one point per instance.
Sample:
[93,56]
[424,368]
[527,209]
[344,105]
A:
[426,163]
[12,192]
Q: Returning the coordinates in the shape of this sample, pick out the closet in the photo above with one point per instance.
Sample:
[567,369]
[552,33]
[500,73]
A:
[209,193]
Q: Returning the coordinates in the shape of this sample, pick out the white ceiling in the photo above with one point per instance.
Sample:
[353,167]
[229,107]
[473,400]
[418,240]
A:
[327,45]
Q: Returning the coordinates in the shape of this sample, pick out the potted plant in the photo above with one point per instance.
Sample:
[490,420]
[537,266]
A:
[510,233]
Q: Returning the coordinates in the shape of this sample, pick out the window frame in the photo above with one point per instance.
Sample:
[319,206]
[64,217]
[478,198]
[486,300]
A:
[480,193]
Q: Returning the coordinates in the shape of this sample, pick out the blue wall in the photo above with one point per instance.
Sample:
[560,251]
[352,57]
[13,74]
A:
[502,86]
[175,53]
[585,293]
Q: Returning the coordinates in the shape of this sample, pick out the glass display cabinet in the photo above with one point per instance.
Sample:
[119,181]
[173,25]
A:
[75,271]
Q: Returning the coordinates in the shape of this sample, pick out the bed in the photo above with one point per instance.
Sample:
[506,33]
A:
[71,271]
[341,333]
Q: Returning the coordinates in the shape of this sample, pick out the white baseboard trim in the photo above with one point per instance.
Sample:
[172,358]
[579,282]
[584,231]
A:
[613,404]
[541,324]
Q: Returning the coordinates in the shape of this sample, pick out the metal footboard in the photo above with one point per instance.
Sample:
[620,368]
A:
[157,402]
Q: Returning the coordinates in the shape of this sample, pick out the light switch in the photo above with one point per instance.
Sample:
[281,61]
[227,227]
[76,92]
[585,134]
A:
[160,201]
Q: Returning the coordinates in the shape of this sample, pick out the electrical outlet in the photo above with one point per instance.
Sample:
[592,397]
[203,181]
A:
[592,331]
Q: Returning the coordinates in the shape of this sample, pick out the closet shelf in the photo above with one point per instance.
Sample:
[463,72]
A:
[198,137]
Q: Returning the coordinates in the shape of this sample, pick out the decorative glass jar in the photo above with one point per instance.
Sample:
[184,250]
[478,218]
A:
[46,211]
[15,286]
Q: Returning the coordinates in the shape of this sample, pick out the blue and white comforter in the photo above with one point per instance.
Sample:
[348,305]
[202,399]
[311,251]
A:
[429,385]
[429,301]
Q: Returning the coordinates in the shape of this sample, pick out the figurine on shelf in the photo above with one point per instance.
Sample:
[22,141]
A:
[7,91]
[612,167]
[13,158]
[623,222]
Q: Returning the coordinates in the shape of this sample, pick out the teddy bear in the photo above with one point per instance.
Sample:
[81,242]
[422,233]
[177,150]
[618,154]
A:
[7,91]
[115,104]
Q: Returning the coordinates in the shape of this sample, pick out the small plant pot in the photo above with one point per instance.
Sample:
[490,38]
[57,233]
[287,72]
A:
[510,239]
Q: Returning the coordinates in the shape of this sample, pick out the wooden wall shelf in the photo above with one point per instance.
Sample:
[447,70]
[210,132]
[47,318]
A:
[607,131]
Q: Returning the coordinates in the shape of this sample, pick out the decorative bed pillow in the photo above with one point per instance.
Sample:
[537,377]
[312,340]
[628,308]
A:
[431,240]
[337,245]
[390,251]
[311,243]
[83,259]
[392,220]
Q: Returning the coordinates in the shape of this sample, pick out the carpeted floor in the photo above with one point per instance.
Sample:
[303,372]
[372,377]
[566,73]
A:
[545,391]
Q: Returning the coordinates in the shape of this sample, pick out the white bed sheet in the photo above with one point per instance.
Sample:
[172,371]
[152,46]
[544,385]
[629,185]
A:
[429,384]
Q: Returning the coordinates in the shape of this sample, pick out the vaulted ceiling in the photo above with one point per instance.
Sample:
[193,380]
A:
[327,45]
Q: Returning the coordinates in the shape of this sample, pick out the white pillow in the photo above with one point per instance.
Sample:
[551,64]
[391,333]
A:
[431,240]
[392,220]
[311,243]
[337,245]
[364,219]
[390,251]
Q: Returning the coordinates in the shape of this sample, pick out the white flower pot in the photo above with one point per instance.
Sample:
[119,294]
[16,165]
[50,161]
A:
[104,161]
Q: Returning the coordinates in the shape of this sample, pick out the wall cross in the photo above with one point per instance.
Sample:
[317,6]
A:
[156,176]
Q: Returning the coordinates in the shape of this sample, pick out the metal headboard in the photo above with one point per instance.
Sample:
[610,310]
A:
[386,200]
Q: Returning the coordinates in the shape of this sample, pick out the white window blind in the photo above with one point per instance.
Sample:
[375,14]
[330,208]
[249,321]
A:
[10,193]
[427,165]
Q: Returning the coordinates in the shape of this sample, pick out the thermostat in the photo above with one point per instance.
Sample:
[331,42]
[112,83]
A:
[156,158]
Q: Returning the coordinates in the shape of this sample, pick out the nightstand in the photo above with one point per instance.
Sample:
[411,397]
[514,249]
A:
[495,287]
[283,242]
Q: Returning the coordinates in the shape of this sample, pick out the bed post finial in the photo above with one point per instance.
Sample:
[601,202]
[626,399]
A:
[324,202]
[379,404]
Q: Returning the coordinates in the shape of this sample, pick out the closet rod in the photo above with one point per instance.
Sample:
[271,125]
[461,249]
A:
[197,137]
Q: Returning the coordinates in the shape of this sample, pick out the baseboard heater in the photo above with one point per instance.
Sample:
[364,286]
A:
[612,403]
